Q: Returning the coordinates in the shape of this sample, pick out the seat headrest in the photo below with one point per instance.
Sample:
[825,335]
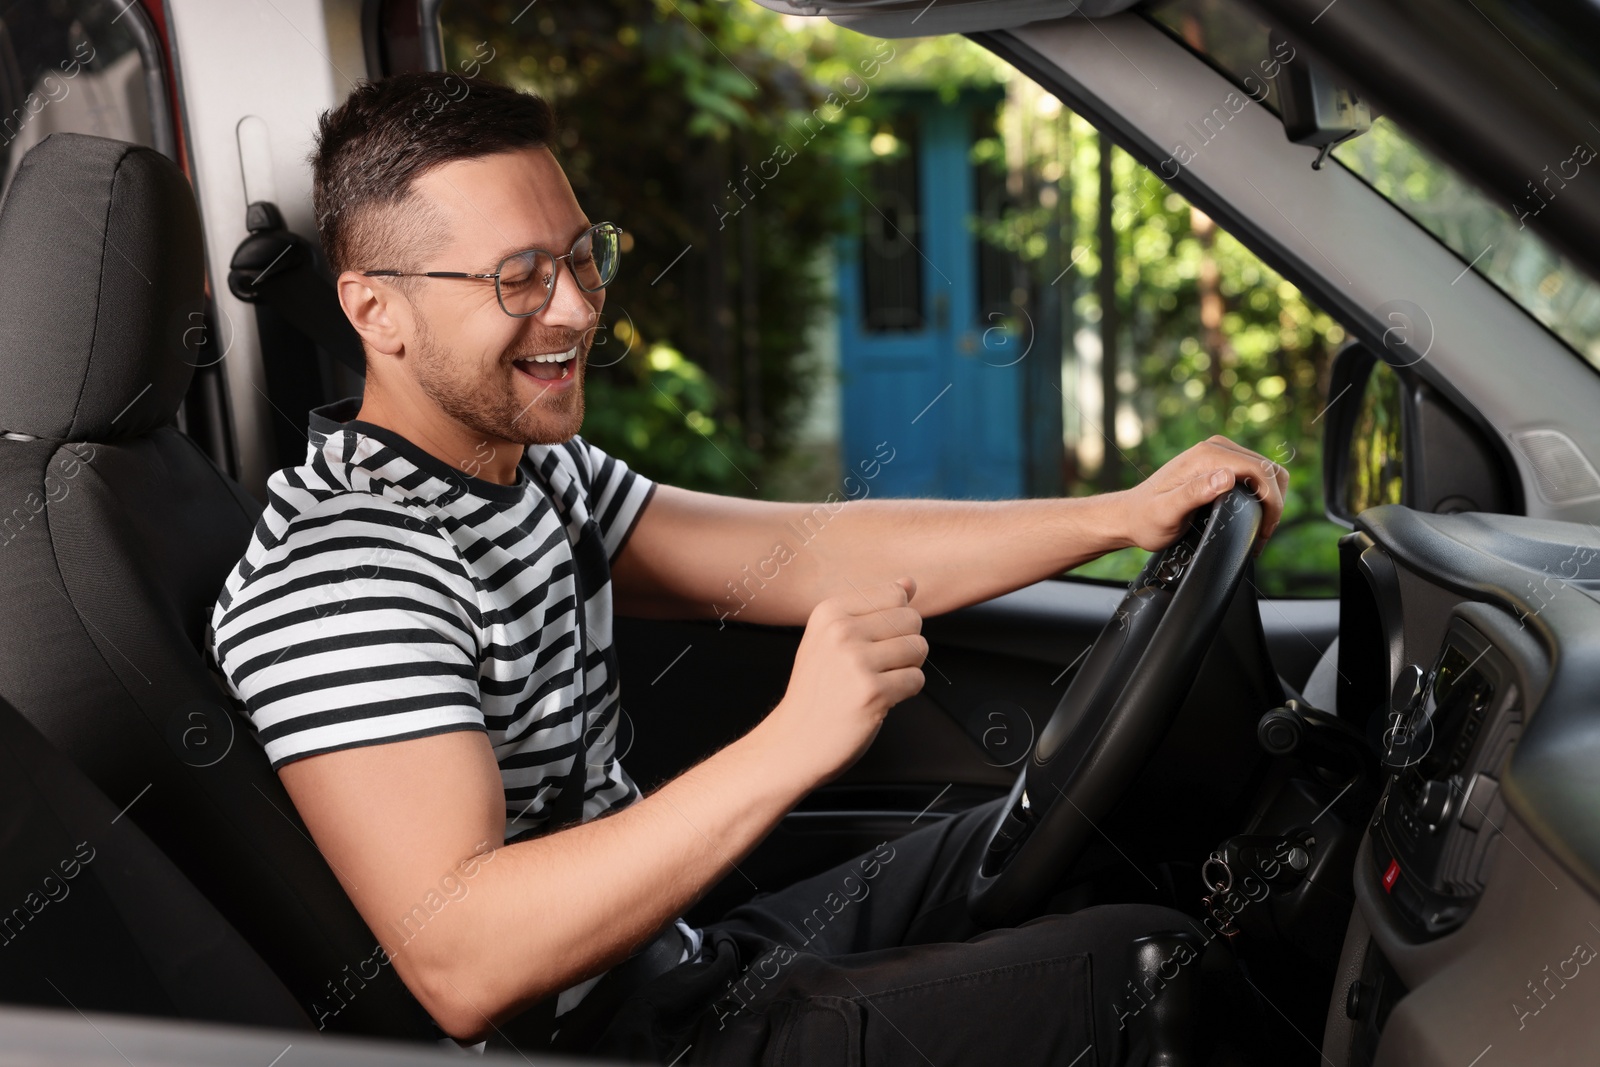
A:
[101,290]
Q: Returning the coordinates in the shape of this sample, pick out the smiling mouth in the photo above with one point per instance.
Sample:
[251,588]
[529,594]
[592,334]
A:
[549,366]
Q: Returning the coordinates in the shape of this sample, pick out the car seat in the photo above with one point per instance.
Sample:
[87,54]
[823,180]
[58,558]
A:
[116,534]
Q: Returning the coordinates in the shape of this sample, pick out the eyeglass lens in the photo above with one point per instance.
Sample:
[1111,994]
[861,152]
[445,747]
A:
[527,278]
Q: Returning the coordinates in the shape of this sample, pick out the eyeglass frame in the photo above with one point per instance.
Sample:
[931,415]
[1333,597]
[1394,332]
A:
[498,295]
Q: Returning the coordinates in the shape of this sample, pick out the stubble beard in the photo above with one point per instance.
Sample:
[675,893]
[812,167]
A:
[493,407]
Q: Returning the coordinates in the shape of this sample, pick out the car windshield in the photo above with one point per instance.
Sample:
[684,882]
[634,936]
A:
[1484,235]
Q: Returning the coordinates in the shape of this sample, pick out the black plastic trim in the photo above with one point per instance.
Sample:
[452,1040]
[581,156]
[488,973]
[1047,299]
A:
[1351,370]
[401,35]
[152,58]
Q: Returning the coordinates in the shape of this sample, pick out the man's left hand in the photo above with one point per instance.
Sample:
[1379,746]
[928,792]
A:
[1158,506]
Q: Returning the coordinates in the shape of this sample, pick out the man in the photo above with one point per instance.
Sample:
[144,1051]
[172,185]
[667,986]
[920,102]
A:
[420,633]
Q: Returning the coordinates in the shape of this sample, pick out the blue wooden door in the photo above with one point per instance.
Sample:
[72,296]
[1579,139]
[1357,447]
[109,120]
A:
[920,371]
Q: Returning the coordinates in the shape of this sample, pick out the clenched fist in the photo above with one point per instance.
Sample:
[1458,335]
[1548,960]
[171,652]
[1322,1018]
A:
[861,654]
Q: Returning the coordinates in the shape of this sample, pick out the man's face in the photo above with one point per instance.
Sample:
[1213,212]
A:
[464,349]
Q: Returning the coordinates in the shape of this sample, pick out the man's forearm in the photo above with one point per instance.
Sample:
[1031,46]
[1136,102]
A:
[544,914]
[708,556]
[759,561]
[961,552]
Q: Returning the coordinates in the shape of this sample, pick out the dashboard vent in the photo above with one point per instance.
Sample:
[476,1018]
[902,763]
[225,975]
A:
[1562,472]
[1464,864]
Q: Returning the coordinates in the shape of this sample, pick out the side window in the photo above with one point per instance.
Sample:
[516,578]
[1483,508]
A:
[69,66]
[860,267]
[1206,339]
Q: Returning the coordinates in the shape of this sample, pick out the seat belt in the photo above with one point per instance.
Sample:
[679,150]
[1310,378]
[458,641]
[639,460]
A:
[582,1026]
[277,267]
[535,1025]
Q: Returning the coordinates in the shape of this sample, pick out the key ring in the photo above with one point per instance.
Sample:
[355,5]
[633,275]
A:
[1223,884]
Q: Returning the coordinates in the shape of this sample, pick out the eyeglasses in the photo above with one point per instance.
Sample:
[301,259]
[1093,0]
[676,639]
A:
[524,281]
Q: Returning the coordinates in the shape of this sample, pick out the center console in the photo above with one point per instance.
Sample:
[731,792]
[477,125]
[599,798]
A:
[1469,664]
[1447,736]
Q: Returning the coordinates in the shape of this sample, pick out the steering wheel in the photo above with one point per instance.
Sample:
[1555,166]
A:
[1117,709]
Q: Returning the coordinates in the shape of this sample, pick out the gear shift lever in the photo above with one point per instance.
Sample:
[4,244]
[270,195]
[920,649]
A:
[1166,983]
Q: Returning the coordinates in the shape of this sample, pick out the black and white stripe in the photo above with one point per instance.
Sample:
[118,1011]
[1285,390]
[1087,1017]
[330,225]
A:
[387,596]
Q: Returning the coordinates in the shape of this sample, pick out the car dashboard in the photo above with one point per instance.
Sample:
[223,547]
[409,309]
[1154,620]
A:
[1469,655]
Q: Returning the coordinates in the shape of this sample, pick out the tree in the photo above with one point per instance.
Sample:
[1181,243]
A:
[725,163]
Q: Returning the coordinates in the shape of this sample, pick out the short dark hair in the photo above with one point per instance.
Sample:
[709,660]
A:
[371,149]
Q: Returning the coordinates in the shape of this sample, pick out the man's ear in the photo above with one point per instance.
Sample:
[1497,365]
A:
[377,312]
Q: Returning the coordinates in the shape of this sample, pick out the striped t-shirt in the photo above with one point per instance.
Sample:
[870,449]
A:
[386,595]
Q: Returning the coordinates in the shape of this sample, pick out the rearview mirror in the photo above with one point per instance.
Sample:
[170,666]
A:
[1316,110]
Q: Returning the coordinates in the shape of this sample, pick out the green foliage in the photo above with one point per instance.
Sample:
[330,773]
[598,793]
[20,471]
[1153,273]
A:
[1215,340]
[722,144]
[641,421]
[1482,232]
[727,139]
[1375,461]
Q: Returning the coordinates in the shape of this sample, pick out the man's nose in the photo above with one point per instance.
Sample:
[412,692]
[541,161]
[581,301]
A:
[569,305]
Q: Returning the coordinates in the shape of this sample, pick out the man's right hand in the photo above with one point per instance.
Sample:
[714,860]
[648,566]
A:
[862,653]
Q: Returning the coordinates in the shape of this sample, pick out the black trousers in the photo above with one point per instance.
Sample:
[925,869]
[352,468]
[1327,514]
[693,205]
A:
[877,962]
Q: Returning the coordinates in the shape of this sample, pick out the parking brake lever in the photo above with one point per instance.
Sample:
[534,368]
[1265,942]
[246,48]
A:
[1297,729]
